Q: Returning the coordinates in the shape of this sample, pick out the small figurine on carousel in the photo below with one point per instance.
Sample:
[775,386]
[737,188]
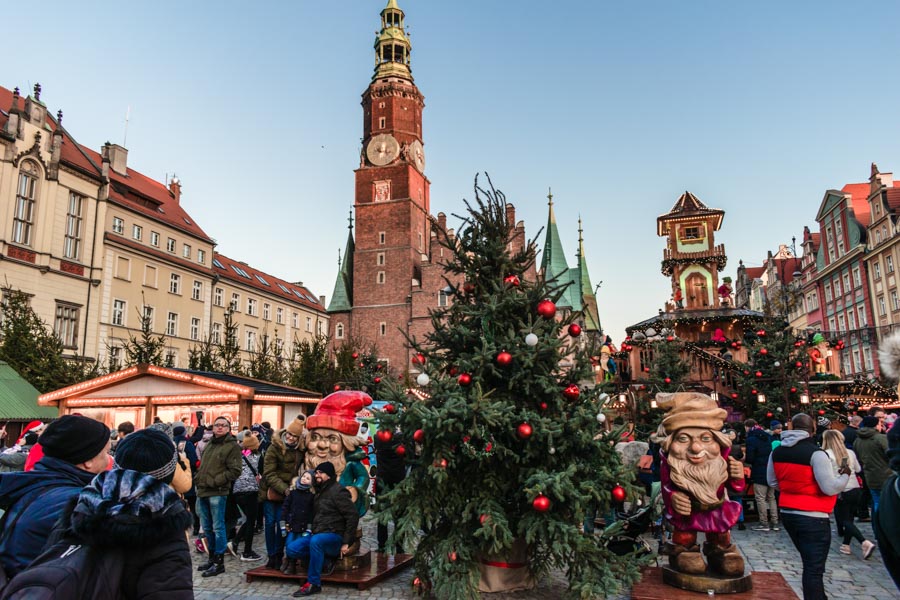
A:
[678,297]
[725,291]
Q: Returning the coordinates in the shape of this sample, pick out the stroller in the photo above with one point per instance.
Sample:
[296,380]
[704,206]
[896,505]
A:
[624,535]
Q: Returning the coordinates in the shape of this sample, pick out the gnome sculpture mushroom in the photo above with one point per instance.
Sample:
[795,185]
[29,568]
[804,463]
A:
[694,471]
[332,436]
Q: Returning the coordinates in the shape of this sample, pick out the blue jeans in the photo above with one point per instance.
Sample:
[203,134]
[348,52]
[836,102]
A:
[876,496]
[812,538]
[272,515]
[212,519]
[316,547]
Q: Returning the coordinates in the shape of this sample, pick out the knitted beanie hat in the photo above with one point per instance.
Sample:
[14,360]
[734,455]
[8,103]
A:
[149,451]
[296,426]
[74,438]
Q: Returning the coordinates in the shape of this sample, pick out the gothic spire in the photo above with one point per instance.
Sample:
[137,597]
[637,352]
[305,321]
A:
[553,262]
[342,296]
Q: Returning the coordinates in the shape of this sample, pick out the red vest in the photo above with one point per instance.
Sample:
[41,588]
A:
[796,480]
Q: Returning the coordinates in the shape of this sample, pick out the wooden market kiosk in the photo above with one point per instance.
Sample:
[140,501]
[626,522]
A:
[140,393]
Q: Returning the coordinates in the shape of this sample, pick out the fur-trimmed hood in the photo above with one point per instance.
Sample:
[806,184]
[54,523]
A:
[127,508]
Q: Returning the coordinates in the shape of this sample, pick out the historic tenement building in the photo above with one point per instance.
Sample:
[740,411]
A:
[96,244]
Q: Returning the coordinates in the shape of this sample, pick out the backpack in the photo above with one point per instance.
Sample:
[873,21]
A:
[66,571]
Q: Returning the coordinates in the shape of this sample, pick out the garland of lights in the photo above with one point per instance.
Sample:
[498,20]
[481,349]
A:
[747,321]
[861,387]
[669,264]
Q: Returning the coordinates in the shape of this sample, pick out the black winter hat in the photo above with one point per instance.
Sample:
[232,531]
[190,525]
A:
[74,438]
[149,451]
[869,422]
[30,438]
[327,468]
[178,430]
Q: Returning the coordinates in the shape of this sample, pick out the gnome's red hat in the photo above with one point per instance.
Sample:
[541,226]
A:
[338,411]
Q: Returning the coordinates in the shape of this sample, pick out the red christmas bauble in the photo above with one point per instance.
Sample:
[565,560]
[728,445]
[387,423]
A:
[769,415]
[390,409]
[618,493]
[452,556]
[759,373]
[400,450]
[798,364]
[821,413]
[667,380]
[484,519]
[468,287]
[453,371]
[754,392]
[419,435]
[355,355]
[793,390]
[572,392]
[418,359]
[464,379]
[541,503]
[417,582]
[746,372]
[646,369]
[504,358]
[546,309]
[361,365]
[378,380]
[524,431]
[574,329]
[512,280]
[734,395]
[337,387]
[441,463]
[378,367]
[384,435]
[543,405]
[761,333]
[763,351]
[670,338]
[734,345]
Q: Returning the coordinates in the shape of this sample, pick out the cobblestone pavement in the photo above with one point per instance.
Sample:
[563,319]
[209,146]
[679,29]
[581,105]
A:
[846,578]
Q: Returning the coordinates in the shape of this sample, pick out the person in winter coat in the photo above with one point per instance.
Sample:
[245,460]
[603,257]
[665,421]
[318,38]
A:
[335,520]
[297,514]
[887,522]
[131,511]
[281,464]
[759,447]
[13,459]
[845,507]
[187,447]
[391,471]
[220,466]
[75,450]
[871,450]
[245,493]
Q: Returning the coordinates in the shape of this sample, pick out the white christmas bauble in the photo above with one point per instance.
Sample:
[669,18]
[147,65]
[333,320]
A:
[601,418]
[778,409]
[531,339]
[423,379]
[552,451]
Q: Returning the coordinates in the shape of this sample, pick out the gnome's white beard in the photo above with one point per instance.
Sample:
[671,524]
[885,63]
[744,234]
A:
[339,462]
[702,481]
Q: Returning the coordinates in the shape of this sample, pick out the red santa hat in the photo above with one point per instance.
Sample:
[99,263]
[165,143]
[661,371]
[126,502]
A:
[338,411]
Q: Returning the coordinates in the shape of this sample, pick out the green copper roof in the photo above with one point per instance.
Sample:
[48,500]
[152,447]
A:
[554,265]
[342,296]
[18,398]
[588,300]
[392,47]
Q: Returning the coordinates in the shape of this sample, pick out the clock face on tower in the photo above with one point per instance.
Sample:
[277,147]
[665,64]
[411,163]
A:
[383,149]
[417,155]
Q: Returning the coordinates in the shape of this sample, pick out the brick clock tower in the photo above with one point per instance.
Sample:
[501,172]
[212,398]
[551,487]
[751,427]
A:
[381,270]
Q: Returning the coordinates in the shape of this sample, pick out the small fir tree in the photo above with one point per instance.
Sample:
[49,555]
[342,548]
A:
[148,348]
[229,348]
[267,362]
[506,447]
[776,369]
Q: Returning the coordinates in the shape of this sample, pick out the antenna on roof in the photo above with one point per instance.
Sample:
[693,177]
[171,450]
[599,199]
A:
[127,115]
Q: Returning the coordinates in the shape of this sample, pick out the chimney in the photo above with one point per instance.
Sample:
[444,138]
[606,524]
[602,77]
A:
[12,125]
[510,214]
[175,188]
[104,169]
[322,300]
[442,221]
[118,158]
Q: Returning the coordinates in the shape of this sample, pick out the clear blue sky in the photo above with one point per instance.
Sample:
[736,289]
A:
[755,107]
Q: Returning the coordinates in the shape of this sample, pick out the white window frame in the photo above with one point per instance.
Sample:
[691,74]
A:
[197,290]
[119,312]
[154,239]
[172,324]
[118,225]
[252,307]
[26,204]
[137,232]
[170,245]
[175,284]
[74,221]
[195,328]
[218,296]
[279,315]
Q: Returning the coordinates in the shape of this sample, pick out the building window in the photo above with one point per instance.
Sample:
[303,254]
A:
[118,225]
[251,307]
[172,324]
[201,256]
[443,298]
[828,292]
[115,358]
[118,312]
[851,320]
[137,232]
[862,317]
[66,324]
[150,276]
[148,316]
[690,233]
[154,238]
[876,270]
[170,245]
[279,316]
[197,291]
[235,301]
[195,328]
[171,358]
[26,195]
[251,340]
[72,243]
[320,327]
[217,296]
[309,324]
[841,323]
[881,308]
[381,122]
[267,311]
[867,357]
[186,251]
[847,288]
[889,264]
[382,327]
[857,281]
[339,331]
[380,259]
[895,301]
[380,278]
[123,268]
[217,333]
[175,283]
[295,321]
[381,237]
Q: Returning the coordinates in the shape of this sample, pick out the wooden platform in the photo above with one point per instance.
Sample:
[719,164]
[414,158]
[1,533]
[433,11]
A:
[766,586]
[381,566]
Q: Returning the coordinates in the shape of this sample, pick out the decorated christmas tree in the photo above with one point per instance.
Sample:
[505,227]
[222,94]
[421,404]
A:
[508,455]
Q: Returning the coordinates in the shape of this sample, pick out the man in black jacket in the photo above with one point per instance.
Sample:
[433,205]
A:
[335,520]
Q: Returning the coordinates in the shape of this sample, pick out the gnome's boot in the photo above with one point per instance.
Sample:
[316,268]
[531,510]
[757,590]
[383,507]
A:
[687,559]
[210,561]
[724,560]
[217,567]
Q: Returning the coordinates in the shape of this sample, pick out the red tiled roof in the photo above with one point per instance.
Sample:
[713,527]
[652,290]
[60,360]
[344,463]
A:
[859,192]
[134,190]
[893,197]
[755,272]
[816,241]
[228,271]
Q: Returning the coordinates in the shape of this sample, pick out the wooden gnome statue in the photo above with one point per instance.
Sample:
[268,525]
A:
[695,471]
